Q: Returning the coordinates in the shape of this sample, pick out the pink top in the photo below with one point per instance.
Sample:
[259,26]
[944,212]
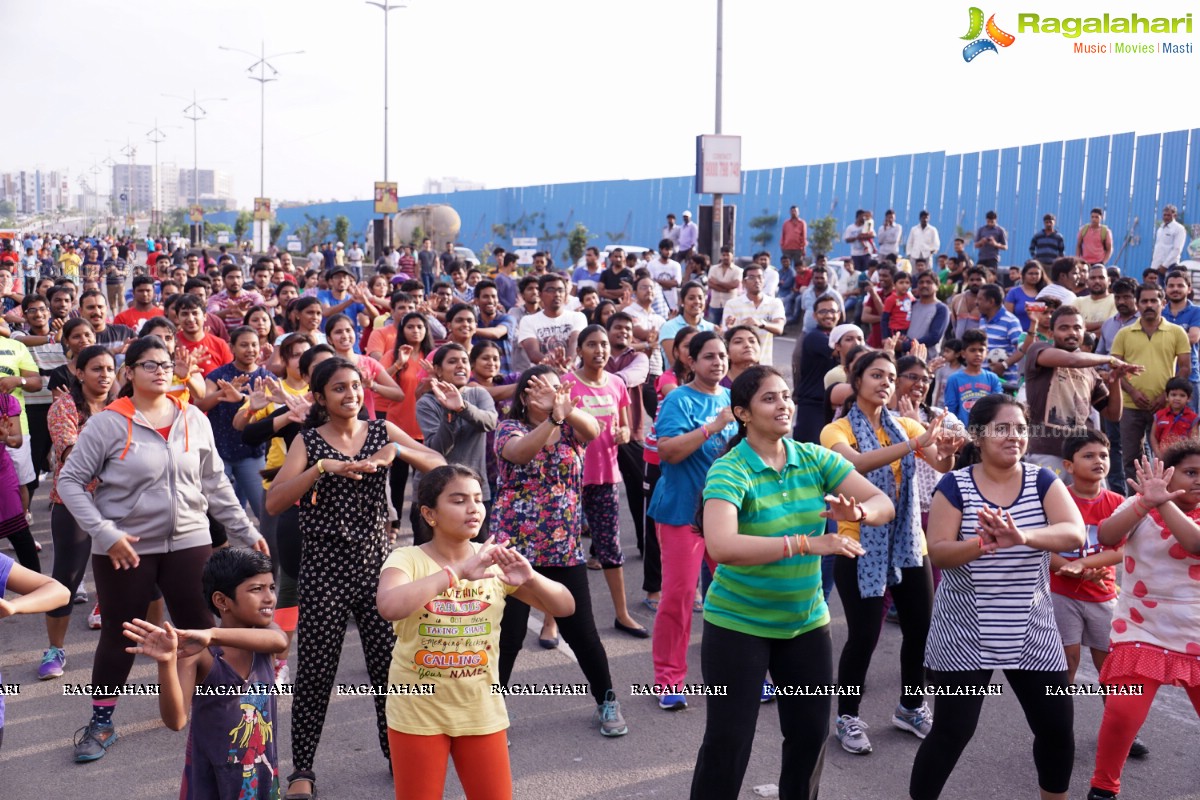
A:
[605,404]
[1159,604]
[370,369]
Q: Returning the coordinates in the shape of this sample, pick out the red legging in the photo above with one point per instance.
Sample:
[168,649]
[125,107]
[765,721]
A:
[1123,718]
[419,765]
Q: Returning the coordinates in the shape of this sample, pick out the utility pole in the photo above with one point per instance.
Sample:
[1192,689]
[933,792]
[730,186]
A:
[129,151]
[718,200]
[262,227]
[385,7]
[156,137]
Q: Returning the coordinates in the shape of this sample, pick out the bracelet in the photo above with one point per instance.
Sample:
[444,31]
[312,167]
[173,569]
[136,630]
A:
[787,546]
[804,545]
[862,517]
[399,449]
[911,447]
[1142,505]
[451,574]
[320,466]
[707,433]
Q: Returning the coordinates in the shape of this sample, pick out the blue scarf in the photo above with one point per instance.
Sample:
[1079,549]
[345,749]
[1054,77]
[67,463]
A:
[897,544]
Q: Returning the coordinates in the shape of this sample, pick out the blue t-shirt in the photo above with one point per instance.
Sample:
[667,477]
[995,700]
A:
[1188,317]
[6,565]
[352,311]
[1016,295]
[506,344]
[677,495]
[506,289]
[671,328]
[963,390]
[229,441]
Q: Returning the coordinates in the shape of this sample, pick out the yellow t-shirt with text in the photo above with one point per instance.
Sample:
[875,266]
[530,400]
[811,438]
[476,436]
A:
[452,644]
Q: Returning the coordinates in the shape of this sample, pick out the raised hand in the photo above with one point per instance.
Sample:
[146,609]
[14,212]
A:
[193,641]
[229,392]
[260,394]
[841,508]
[564,404]
[934,432]
[448,395]
[476,567]
[298,408]
[161,644]
[515,569]
[1152,483]
[919,350]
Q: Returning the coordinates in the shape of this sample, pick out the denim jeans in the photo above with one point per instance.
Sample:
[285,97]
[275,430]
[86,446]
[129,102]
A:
[247,482]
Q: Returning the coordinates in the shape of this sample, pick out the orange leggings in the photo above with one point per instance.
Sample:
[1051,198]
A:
[419,765]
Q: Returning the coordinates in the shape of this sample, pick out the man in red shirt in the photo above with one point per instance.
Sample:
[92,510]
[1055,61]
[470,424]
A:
[143,307]
[793,241]
[211,351]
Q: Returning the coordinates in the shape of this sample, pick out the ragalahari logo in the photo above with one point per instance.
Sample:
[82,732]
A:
[995,36]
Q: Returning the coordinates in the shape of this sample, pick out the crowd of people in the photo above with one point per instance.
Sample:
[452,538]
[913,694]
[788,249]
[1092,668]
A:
[965,449]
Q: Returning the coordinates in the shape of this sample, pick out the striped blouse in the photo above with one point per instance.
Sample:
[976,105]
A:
[996,612]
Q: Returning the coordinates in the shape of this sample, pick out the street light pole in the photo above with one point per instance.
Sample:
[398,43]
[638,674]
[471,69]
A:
[718,200]
[263,64]
[129,151]
[156,136]
[195,112]
[385,7]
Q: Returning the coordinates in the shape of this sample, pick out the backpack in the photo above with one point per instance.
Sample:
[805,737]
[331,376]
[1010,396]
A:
[1105,235]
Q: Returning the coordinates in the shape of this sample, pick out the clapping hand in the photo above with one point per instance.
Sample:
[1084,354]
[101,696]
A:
[230,391]
[448,395]
[261,393]
[515,569]
[996,527]
[160,644]
[1152,483]
[298,408]
[841,508]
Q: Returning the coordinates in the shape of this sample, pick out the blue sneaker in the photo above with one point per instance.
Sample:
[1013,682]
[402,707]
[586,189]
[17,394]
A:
[92,741]
[768,692]
[917,721]
[672,702]
[53,662]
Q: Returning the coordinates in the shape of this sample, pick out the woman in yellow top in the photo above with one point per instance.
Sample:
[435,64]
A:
[885,447]
[446,598]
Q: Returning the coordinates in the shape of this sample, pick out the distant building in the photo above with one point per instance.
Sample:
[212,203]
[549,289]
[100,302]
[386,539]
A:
[448,185]
[212,186]
[36,192]
[136,182]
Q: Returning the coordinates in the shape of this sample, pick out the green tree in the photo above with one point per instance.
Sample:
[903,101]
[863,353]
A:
[577,242]
[7,207]
[277,231]
[822,235]
[764,227]
[243,222]
[418,236]
[341,228]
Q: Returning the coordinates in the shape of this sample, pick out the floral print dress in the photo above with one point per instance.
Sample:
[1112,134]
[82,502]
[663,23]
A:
[538,504]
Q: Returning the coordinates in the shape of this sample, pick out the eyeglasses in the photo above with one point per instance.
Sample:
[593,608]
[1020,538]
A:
[915,378]
[155,367]
[826,311]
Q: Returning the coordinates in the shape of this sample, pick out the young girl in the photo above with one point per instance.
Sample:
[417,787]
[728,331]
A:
[692,297]
[259,319]
[885,448]
[77,334]
[435,585]
[406,362]
[95,371]
[1156,626]
[38,593]
[606,398]
[376,380]
[455,420]
[337,471]
[764,523]
[745,351]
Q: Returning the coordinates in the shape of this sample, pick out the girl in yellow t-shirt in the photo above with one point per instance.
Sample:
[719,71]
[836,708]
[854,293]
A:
[446,598]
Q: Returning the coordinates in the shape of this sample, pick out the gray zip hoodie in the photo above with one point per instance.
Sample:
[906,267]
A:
[151,488]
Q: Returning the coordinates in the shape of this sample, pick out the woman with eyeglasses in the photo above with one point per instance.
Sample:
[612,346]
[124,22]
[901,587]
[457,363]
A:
[885,448]
[159,477]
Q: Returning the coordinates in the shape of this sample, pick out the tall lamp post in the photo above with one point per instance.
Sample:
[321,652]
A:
[262,227]
[385,8]
[129,151]
[718,200]
[195,112]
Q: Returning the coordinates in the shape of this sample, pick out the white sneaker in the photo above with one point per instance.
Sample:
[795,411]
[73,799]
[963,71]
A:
[283,675]
[94,618]
[851,734]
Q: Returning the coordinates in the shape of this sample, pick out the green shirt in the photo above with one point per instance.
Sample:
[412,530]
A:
[783,599]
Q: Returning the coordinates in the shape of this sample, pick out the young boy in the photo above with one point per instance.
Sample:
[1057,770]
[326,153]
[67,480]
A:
[971,382]
[898,307]
[1176,421]
[952,358]
[228,727]
[1083,583]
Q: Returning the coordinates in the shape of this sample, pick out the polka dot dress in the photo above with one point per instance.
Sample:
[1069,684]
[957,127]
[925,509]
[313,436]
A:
[345,543]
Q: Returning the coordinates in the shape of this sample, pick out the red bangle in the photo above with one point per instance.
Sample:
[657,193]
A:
[707,435]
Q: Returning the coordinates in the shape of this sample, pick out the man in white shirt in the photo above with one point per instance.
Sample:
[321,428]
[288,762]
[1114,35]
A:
[1169,240]
[667,273]
[770,274]
[923,240]
[689,234]
[354,257]
[671,230]
[858,236]
[724,283]
[764,314]
[550,335]
[887,238]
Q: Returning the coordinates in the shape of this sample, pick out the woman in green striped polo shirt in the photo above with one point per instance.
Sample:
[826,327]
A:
[764,523]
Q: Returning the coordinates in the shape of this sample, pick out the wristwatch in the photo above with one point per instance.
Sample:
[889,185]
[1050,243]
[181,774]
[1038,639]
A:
[24,381]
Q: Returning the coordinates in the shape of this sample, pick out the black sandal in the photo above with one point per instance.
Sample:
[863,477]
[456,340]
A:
[302,775]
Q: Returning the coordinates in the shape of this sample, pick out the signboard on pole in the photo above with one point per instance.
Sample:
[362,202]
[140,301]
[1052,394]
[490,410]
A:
[262,209]
[524,247]
[196,213]
[387,199]
[718,164]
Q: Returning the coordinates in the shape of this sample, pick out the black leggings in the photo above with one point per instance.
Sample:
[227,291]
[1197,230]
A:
[578,630]
[652,561]
[127,593]
[72,548]
[913,598]
[398,482]
[740,661]
[631,462]
[1052,720]
[25,549]
[288,539]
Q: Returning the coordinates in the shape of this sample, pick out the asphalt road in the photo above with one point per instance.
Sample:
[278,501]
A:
[557,752]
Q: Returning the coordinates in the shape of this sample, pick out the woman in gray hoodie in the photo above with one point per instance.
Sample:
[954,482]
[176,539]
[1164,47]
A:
[160,476]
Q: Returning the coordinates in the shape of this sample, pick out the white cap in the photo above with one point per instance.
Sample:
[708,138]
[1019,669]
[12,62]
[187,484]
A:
[835,335]
[687,213]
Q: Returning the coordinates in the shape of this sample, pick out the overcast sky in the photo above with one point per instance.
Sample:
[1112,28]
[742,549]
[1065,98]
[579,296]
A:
[519,92]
